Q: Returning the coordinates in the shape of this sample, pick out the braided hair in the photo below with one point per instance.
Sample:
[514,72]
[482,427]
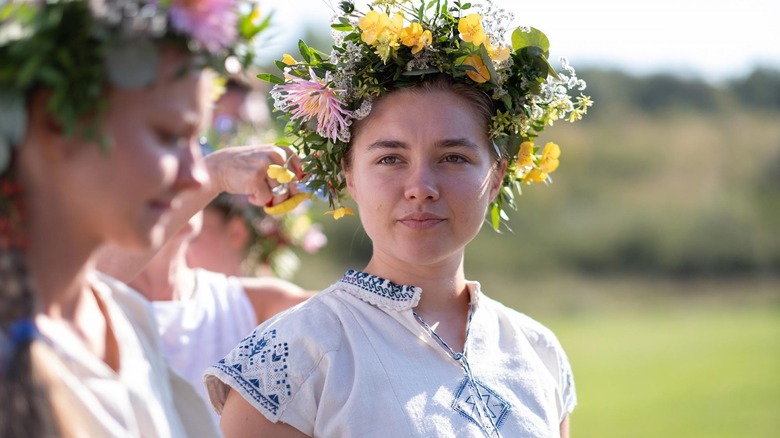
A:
[25,407]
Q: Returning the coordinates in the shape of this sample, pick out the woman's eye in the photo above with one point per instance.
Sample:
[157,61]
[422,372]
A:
[454,159]
[388,160]
[171,139]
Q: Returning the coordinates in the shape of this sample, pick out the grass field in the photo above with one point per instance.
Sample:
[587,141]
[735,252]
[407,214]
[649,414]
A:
[709,372]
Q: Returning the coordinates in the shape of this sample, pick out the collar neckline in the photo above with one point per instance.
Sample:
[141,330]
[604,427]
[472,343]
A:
[388,295]
[380,291]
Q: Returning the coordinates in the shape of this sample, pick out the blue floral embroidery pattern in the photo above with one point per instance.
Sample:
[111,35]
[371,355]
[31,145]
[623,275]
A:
[266,360]
[379,286]
[480,405]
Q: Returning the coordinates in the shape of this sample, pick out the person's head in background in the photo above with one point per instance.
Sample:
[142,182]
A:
[240,114]
[239,239]
[101,105]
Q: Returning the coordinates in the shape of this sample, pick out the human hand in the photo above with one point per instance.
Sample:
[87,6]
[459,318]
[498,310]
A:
[244,170]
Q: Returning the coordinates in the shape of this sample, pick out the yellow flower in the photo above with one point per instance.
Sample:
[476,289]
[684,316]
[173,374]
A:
[481,75]
[547,164]
[499,54]
[288,60]
[372,25]
[415,37]
[470,28]
[525,156]
[341,212]
[280,173]
[287,205]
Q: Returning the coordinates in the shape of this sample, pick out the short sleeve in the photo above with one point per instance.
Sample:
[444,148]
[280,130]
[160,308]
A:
[550,351]
[276,367]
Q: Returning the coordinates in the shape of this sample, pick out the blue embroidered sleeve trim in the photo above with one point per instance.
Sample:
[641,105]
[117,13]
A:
[260,370]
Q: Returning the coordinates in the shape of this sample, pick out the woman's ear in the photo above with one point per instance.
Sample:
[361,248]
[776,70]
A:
[498,178]
[348,178]
[46,132]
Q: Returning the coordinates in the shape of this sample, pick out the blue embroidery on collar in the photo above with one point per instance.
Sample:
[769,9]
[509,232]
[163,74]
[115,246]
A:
[473,398]
[381,289]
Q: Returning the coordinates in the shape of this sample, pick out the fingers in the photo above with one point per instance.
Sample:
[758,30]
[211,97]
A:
[244,170]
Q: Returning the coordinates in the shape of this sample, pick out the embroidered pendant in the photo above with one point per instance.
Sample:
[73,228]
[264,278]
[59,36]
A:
[480,405]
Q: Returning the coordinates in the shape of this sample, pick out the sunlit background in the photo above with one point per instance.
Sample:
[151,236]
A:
[655,255]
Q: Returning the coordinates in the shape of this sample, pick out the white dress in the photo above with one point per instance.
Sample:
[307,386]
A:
[144,398]
[354,361]
[199,331]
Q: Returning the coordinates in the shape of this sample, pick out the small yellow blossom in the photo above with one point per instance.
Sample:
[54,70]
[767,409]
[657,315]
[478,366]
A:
[255,15]
[287,59]
[373,24]
[547,164]
[525,156]
[471,31]
[341,212]
[481,75]
[280,173]
[415,37]
[501,53]
[287,205]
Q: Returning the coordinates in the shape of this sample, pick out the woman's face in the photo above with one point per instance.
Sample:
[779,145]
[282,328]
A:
[128,193]
[219,246]
[422,174]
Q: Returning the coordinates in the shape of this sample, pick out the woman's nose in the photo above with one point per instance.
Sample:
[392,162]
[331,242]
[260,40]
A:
[192,170]
[421,184]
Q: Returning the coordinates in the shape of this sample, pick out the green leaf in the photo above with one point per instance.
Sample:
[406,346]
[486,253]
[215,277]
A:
[420,72]
[341,27]
[270,78]
[489,64]
[534,38]
[495,219]
[304,49]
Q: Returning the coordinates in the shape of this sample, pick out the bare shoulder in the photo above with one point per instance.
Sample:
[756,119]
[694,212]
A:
[270,295]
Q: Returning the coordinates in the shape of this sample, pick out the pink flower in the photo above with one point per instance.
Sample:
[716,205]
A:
[309,99]
[211,23]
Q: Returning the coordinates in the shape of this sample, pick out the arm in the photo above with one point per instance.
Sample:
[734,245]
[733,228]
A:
[270,295]
[565,427]
[240,420]
[239,170]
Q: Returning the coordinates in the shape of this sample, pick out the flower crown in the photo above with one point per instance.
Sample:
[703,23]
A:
[74,48]
[398,43]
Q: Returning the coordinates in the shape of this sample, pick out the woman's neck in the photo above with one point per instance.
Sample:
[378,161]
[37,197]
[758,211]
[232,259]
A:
[59,259]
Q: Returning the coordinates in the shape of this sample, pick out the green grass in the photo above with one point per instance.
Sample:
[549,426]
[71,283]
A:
[709,372]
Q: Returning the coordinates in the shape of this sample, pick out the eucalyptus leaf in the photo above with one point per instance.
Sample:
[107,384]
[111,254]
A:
[13,116]
[5,153]
[426,71]
[534,38]
[132,64]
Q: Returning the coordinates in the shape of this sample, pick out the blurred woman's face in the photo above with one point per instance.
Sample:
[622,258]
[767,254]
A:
[422,174]
[128,193]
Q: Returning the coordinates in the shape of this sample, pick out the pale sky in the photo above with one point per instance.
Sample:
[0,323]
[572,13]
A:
[713,39]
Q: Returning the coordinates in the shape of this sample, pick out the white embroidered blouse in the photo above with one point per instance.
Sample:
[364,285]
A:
[354,361]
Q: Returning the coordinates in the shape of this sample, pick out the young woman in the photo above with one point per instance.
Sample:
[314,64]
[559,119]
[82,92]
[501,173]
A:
[200,314]
[407,346]
[102,105]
